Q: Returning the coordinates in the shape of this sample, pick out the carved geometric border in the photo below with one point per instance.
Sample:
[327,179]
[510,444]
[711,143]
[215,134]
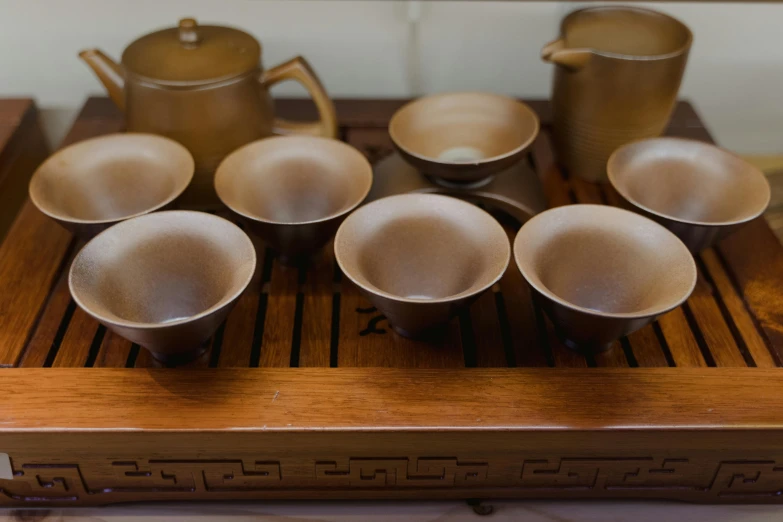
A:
[126,480]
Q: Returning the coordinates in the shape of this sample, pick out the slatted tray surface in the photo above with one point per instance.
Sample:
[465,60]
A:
[306,392]
[311,316]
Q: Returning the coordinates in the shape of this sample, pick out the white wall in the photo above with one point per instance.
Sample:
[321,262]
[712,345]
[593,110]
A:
[394,48]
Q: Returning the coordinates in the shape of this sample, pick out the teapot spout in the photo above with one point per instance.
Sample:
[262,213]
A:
[109,73]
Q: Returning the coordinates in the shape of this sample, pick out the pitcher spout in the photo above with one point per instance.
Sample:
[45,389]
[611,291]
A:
[557,53]
[109,73]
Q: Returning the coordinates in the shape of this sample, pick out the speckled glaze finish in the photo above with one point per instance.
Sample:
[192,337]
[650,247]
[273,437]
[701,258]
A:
[601,272]
[165,281]
[91,185]
[294,191]
[618,72]
[698,191]
[419,258]
[463,137]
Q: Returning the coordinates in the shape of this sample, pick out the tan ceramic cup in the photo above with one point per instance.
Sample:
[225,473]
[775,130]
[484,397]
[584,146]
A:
[464,137]
[294,191]
[618,71]
[698,191]
[601,272]
[419,258]
[93,184]
[165,281]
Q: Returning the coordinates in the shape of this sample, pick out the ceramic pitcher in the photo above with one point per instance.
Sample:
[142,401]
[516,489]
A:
[618,70]
[205,87]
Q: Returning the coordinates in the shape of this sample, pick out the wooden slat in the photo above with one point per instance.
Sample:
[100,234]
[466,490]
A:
[318,290]
[114,351]
[487,336]
[674,327]
[555,188]
[238,332]
[75,347]
[526,340]
[755,258]
[713,327]
[741,317]
[29,261]
[244,323]
[679,337]
[361,344]
[646,349]
[31,257]
[352,399]
[279,323]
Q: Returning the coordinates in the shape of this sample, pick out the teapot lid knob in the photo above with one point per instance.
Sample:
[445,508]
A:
[188,33]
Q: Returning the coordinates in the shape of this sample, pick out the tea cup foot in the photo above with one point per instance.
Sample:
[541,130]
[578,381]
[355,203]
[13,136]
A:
[181,358]
[584,348]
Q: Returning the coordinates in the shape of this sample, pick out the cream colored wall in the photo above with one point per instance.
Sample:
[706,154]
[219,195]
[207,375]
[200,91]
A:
[395,48]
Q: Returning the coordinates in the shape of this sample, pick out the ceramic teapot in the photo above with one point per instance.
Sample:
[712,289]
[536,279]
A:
[204,86]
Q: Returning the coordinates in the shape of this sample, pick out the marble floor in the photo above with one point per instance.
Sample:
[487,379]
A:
[407,511]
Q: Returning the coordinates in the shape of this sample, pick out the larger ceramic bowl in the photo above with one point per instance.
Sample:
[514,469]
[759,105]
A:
[419,258]
[698,191]
[463,137]
[165,281]
[602,272]
[294,191]
[93,184]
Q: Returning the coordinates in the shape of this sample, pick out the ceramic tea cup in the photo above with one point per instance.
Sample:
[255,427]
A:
[463,137]
[419,258]
[602,272]
[165,280]
[93,184]
[294,191]
[698,191]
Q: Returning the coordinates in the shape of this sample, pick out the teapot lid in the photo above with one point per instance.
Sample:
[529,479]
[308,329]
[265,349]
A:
[192,54]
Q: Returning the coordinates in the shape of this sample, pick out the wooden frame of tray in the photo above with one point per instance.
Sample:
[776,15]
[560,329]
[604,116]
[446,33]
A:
[305,393]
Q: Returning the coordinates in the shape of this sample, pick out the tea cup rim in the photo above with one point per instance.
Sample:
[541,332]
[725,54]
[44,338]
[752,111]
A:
[368,178]
[648,312]
[372,289]
[477,162]
[135,325]
[115,135]
[613,180]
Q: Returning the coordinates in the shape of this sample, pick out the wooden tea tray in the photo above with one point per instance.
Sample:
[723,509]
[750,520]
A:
[306,393]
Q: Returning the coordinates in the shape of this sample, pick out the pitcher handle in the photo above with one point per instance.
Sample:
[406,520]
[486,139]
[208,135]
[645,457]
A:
[572,59]
[299,70]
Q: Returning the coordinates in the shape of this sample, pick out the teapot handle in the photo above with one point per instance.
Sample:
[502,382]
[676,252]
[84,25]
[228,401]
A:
[298,69]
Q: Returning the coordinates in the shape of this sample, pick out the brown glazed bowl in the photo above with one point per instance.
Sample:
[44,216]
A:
[602,272]
[91,185]
[294,191]
[419,258]
[165,281]
[463,137]
[698,191]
